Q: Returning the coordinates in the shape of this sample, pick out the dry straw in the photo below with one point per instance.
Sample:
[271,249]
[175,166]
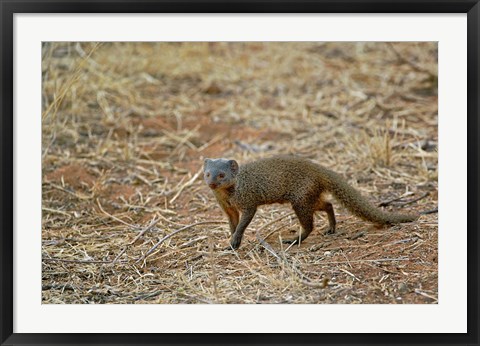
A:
[126,217]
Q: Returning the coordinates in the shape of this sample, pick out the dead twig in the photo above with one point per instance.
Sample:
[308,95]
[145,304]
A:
[282,259]
[348,273]
[213,278]
[74,261]
[414,200]
[114,217]
[432,211]
[312,284]
[173,233]
[387,202]
[75,76]
[263,242]
[148,228]
[417,291]
[73,193]
[188,183]
[357,235]
[370,260]
[412,64]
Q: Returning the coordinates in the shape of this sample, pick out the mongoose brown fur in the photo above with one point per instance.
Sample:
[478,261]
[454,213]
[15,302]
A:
[281,179]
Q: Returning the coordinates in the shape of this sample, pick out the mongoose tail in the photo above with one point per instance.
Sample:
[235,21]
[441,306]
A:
[359,205]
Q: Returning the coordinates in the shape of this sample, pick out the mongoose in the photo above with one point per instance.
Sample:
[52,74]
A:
[282,179]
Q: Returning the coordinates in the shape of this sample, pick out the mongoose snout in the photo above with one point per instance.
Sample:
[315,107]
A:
[280,179]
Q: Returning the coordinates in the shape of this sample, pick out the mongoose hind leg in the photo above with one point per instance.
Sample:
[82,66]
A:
[247,216]
[323,205]
[305,216]
[332,223]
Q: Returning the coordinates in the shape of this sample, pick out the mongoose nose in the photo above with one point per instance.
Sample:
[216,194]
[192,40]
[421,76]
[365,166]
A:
[212,185]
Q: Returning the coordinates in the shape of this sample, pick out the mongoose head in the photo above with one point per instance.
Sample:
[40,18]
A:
[220,173]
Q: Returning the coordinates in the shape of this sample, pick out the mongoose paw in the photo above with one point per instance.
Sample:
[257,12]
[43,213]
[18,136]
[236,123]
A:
[329,230]
[290,241]
[235,243]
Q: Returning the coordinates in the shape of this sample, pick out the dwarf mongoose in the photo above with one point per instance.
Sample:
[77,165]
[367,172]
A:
[281,179]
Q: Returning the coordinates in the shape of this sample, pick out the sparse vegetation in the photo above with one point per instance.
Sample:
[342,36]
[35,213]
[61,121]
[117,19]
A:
[126,127]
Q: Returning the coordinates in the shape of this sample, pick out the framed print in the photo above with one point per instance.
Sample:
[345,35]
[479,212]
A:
[239,172]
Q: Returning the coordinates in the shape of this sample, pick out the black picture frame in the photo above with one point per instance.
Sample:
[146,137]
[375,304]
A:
[9,8]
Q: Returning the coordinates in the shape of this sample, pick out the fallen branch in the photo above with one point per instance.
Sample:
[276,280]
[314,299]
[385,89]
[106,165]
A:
[417,291]
[263,242]
[387,202]
[148,228]
[116,218]
[312,284]
[432,211]
[369,260]
[173,233]
[75,261]
[414,200]
[282,260]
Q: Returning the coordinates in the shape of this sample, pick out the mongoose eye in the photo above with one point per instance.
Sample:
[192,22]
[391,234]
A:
[221,175]
[208,175]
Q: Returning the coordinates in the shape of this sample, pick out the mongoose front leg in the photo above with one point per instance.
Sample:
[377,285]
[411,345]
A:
[247,216]
[233,217]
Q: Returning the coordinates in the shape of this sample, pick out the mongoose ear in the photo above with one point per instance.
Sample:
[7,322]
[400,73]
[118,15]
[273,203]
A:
[233,166]
[206,162]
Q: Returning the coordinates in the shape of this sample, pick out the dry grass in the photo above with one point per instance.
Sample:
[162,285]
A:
[126,127]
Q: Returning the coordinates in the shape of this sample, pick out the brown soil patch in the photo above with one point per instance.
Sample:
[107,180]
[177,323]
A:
[116,192]
[73,175]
